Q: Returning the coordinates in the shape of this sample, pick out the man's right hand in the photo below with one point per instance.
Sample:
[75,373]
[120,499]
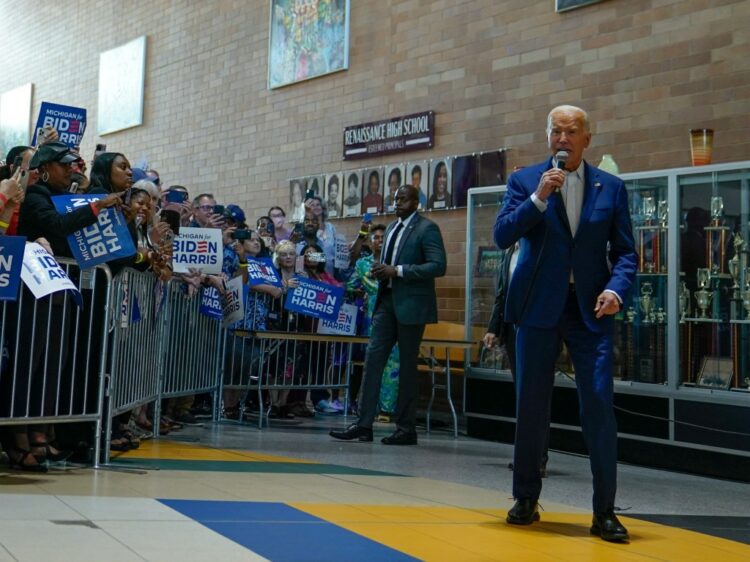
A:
[551,180]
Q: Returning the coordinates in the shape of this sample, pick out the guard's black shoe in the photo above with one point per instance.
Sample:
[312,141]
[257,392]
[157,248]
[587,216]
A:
[400,437]
[608,527]
[353,432]
[524,512]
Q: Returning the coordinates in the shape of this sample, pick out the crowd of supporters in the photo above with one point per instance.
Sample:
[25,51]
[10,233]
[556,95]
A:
[154,211]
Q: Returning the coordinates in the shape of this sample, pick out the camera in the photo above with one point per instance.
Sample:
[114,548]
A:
[176,196]
[241,234]
[218,209]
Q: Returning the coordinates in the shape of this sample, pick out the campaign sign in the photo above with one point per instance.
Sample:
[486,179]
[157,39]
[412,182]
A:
[106,240]
[70,122]
[315,299]
[342,252]
[43,275]
[260,271]
[11,259]
[344,325]
[211,303]
[197,248]
[233,307]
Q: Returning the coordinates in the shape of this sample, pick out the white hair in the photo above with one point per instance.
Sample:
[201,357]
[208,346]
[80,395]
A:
[582,115]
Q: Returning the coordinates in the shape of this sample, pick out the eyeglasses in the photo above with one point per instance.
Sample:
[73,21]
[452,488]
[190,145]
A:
[276,216]
[206,207]
[286,254]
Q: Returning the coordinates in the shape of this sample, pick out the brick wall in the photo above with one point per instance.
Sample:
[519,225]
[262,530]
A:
[647,71]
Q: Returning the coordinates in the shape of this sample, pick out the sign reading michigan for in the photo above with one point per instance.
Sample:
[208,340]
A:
[197,248]
[105,240]
[316,299]
[70,122]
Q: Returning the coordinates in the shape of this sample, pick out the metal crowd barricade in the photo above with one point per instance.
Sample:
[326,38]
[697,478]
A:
[192,356]
[137,325]
[302,361]
[52,353]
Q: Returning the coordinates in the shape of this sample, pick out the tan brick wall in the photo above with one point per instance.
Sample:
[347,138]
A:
[647,71]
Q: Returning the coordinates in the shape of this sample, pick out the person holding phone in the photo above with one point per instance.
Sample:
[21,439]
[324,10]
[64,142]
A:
[326,235]
[204,214]
[28,177]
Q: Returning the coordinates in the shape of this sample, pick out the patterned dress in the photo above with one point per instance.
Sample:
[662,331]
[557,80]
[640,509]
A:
[361,279]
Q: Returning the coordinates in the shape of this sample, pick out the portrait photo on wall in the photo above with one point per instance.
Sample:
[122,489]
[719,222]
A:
[307,39]
[417,175]
[332,195]
[464,175]
[439,196]
[352,196]
[297,188]
[492,168]
[372,193]
[394,179]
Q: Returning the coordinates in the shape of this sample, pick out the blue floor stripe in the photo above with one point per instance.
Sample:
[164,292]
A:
[280,532]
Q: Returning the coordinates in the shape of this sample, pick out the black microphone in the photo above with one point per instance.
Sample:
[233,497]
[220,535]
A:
[562,158]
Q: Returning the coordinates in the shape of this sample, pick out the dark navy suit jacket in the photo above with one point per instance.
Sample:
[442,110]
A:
[601,254]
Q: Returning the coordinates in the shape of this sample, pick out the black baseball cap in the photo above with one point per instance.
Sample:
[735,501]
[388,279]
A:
[53,152]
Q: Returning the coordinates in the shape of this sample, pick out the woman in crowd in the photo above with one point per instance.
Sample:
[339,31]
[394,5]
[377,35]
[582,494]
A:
[326,232]
[363,284]
[440,197]
[294,403]
[315,268]
[42,339]
[372,202]
[110,173]
[24,153]
[278,216]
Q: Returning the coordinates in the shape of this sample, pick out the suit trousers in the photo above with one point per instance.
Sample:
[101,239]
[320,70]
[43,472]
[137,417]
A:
[537,350]
[386,332]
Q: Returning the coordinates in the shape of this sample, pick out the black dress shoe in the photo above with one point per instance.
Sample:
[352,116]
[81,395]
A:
[353,432]
[524,512]
[607,526]
[400,437]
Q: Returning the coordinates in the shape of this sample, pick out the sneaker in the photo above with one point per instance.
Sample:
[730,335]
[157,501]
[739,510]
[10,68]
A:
[324,407]
[338,406]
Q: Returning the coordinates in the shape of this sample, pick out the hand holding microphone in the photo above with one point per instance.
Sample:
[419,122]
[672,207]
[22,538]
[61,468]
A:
[553,179]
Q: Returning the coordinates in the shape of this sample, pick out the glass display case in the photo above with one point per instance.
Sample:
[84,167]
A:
[683,333]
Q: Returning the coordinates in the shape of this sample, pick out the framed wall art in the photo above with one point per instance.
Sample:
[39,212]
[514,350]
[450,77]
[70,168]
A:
[122,72]
[15,112]
[307,39]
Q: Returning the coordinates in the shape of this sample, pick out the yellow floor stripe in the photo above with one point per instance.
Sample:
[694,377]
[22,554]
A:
[437,533]
[174,450]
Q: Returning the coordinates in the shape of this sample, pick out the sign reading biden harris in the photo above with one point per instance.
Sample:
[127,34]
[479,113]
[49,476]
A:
[315,299]
[70,122]
[197,248]
[105,240]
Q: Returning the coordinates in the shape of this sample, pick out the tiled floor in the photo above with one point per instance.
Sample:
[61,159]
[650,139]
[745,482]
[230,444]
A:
[229,492]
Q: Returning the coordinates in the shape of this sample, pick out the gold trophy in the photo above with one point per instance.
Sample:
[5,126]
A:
[648,234]
[663,213]
[684,301]
[703,297]
[645,301]
[746,294]
[716,238]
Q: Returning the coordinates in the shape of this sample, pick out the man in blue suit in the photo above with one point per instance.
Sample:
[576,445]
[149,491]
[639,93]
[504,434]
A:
[576,265]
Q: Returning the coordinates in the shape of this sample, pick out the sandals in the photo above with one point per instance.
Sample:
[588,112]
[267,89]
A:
[59,456]
[17,458]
